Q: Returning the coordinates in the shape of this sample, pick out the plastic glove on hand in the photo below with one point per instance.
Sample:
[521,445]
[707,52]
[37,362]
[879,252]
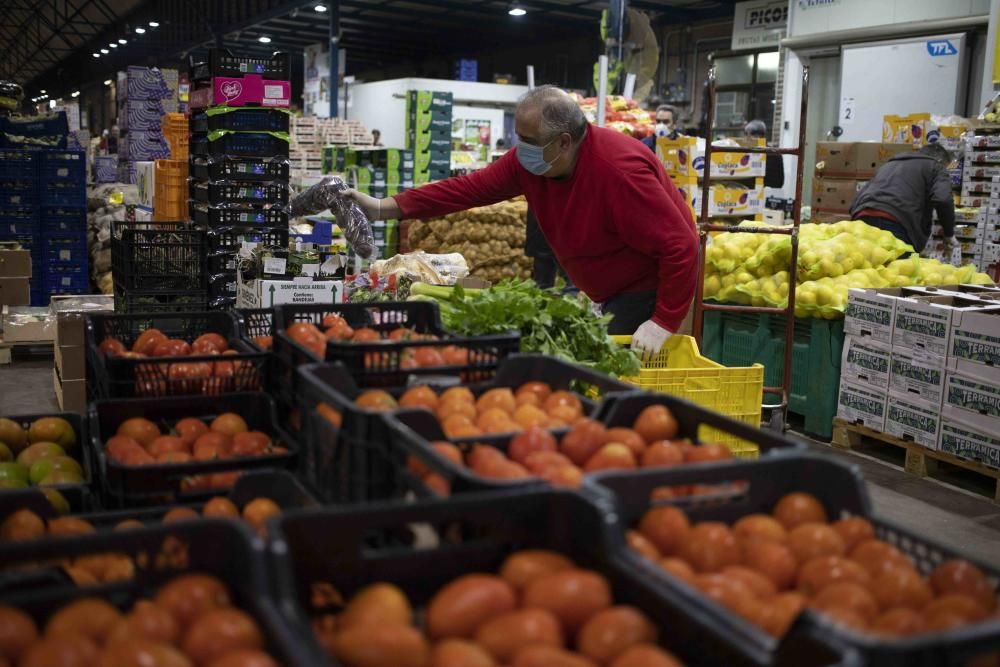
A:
[649,338]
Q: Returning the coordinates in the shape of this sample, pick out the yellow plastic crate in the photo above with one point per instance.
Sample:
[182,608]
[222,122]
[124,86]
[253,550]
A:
[680,370]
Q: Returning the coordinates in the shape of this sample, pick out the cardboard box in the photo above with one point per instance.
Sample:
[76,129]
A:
[871,312]
[969,443]
[145,181]
[974,345]
[683,157]
[15,291]
[962,232]
[71,311]
[917,376]
[855,159]
[15,263]
[70,394]
[833,194]
[859,404]
[865,362]
[964,291]
[923,323]
[912,420]
[26,324]
[427,100]
[827,217]
[971,401]
[912,129]
[71,362]
[724,200]
[267,293]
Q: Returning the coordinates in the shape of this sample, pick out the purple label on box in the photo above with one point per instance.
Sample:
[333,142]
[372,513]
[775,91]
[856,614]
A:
[140,115]
[240,91]
[141,146]
[144,83]
[106,168]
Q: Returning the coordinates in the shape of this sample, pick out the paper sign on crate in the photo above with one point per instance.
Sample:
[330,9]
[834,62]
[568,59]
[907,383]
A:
[912,420]
[917,376]
[865,361]
[969,443]
[860,404]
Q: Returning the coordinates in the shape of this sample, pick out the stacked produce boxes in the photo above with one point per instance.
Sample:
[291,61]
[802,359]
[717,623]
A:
[428,134]
[144,95]
[738,178]
[238,158]
[19,209]
[920,364]
[846,169]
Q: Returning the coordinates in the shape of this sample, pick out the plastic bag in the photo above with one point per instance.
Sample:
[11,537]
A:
[328,194]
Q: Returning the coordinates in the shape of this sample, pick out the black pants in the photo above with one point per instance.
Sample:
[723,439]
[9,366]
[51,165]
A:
[629,310]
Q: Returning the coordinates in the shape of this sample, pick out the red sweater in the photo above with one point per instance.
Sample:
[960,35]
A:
[618,224]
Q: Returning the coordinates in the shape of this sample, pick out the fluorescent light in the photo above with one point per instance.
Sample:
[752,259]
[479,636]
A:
[154,24]
[140,31]
[96,54]
[75,93]
[320,8]
[107,82]
[113,45]
[52,104]
[43,91]
[123,41]
[105,51]
[264,39]
[517,10]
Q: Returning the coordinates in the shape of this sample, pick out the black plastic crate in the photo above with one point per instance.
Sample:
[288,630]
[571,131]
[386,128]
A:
[239,144]
[79,496]
[255,323]
[117,377]
[230,239]
[378,364]
[474,534]
[224,303]
[241,120]
[224,193]
[158,256]
[841,490]
[242,169]
[238,215]
[222,263]
[222,62]
[217,547]
[128,301]
[222,285]
[163,483]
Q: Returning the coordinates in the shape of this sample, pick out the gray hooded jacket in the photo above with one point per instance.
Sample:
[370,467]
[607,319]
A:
[907,187]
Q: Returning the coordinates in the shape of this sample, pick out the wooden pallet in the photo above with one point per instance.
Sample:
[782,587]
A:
[920,461]
[29,348]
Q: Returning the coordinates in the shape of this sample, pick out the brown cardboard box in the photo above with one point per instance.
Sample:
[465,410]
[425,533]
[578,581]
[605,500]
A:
[855,159]
[71,362]
[71,394]
[71,324]
[24,324]
[826,217]
[15,291]
[835,194]
[15,264]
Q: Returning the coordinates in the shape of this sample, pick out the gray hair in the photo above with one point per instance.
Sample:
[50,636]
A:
[756,128]
[938,152]
[667,107]
[560,112]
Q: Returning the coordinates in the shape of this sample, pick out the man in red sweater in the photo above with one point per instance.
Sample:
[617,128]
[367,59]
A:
[620,229]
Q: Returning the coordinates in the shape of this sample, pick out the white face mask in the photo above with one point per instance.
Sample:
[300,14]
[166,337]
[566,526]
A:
[663,129]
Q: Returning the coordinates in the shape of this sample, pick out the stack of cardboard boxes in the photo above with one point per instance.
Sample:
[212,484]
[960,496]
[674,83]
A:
[428,134]
[69,377]
[15,276]
[145,94]
[923,364]
[737,178]
[846,169]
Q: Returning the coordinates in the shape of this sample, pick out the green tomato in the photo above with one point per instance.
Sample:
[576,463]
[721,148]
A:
[14,472]
[57,500]
[45,467]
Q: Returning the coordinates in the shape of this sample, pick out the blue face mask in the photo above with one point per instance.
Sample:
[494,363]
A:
[532,157]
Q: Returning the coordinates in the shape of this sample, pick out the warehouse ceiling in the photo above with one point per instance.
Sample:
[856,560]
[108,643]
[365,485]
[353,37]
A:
[64,44]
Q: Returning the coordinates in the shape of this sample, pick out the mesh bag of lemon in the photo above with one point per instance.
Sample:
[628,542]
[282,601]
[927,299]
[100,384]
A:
[751,269]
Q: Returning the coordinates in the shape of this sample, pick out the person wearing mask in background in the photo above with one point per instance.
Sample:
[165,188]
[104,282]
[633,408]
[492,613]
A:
[904,190]
[617,225]
[666,126]
[774,169]
[376,137]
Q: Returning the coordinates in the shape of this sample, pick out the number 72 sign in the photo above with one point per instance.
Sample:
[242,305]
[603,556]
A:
[941,47]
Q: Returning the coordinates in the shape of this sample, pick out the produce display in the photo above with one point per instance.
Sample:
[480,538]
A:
[491,238]
[622,114]
[190,621]
[752,269]
[587,447]
[46,453]
[550,322]
[540,610]
[767,568]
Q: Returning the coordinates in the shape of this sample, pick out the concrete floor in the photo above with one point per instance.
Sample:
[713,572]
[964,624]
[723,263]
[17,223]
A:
[964,519]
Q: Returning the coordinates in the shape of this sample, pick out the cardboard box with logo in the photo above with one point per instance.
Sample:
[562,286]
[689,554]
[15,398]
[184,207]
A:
[261,293]
[871,312]
[972,401]
[969,443]
[913,420]
[861,404]
[923,323]
[974,345]
[865,362]
[917,376]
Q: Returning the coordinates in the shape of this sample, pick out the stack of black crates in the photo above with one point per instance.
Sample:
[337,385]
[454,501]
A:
[238,183]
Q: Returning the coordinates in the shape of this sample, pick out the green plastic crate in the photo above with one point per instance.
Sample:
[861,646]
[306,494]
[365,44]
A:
[742,339]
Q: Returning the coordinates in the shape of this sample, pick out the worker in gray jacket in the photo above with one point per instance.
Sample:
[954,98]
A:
[900,197]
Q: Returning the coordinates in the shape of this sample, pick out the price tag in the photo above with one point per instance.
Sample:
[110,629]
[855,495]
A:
[274,265]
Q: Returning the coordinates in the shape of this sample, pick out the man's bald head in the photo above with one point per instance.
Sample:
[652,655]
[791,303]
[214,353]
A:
[546,112]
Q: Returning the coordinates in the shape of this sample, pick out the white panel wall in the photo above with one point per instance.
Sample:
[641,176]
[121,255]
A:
[810,17]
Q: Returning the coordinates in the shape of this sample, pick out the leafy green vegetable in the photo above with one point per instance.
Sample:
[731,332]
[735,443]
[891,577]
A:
[550,322]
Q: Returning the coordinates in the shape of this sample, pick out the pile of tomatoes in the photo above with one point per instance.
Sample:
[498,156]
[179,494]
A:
[191,621]
[336,328]
[207,377]
[767,568]
[542,610]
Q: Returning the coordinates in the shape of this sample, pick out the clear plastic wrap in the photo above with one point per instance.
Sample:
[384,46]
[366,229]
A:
[328,194]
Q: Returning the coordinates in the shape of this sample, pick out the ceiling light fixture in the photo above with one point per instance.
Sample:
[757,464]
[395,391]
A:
[96,54]
[75,93]
[105,51]
[113,45]
[154,24]
[123,41]
[320,8]
[264,39]
[516,9]
[140,31]
[43,91]
[107,82]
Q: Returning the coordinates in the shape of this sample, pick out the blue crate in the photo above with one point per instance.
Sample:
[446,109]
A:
[18,194]
[61,277]
[23,228]
[18,164]
[32,242]
[19,214]
[63,194]
[63,167]
[65,249]
[64,220]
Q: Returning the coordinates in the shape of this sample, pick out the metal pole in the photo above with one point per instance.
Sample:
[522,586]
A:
[602,89]
[334,11]
[531,77]
[699,313]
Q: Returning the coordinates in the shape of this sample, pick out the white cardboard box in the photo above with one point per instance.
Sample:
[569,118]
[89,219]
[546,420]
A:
[870,312]
[969,443]
[917,376]
[913,420]
[924,322]
[144,181]
[861,404]
[267,293]
[964,291]
[971,401]
[974,346]
[865,361]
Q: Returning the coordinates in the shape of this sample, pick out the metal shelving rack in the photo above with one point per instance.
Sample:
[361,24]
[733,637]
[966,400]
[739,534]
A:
[705,228]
